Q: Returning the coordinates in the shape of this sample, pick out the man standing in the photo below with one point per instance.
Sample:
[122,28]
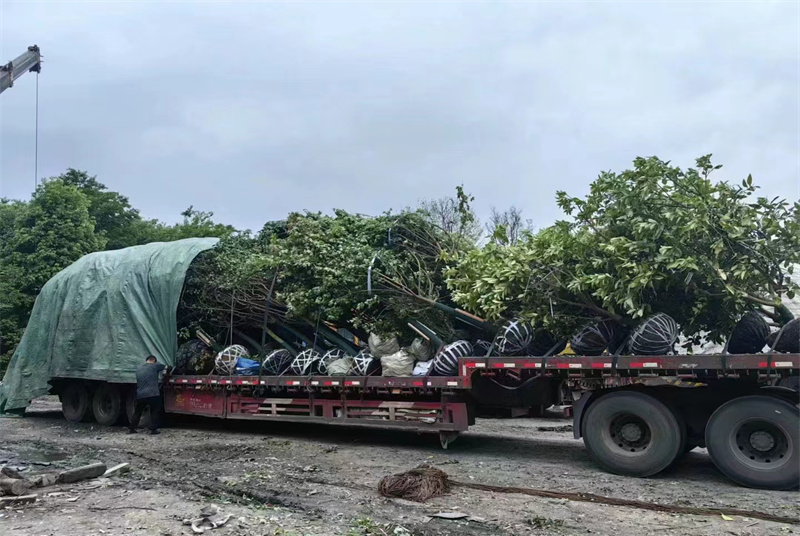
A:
[148,394]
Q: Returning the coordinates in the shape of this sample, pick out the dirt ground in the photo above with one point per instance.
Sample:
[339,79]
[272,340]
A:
[294,479]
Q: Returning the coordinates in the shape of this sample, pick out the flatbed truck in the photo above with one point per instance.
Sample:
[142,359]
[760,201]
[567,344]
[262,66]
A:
[636,414]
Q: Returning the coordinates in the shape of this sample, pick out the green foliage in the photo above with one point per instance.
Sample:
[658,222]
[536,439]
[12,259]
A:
[319,266]
[112,212]
[653,238]
[70,215]
[38,240]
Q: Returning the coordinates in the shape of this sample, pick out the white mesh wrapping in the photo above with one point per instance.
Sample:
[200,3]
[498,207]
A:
[446,362]
[514,337]
[305,362]
[655,336]
[363,363]
[225,362]
[276,362]
[329,357]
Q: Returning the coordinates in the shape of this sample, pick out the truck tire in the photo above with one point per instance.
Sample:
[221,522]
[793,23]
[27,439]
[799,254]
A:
[130,407]
[76,402]
[107,404]
[755,441]
[632,434]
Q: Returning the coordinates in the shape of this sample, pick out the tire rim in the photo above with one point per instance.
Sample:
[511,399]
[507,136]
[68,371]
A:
[74,398]
[628,433]
[760,444]
[106,406]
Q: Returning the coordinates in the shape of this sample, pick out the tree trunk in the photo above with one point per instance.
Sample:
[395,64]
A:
[81,473]
[14,486]
[785,314]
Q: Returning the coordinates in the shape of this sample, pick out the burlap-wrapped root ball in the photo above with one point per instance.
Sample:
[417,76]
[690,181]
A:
[329,357]
[593,339]
[194,357]
[366,365]
[276,362]
[305,363]
[788,342]
[655,336]
[514,337]
[749,335]
[446,362]
[225,362]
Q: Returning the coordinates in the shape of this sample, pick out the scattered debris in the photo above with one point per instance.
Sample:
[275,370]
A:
[210,518]
[22,499]
[539,522]
[14,486]
[425,482]
[10,472]
[43,480]
[565,428]
[419,484]
[118,469]
[101,509]
[81,473]
[450,515]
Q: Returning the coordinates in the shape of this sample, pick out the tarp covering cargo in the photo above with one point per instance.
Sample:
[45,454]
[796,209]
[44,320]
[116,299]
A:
[100,317]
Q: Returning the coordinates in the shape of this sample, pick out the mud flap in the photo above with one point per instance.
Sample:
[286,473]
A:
[578,408]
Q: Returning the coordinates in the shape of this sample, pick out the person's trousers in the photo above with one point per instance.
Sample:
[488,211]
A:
[154,403]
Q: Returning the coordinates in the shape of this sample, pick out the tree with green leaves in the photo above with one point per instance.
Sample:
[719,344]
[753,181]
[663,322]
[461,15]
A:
[112,212]
[48,234]
[654,238]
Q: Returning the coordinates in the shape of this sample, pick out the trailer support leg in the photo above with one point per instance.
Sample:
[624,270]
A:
[445,438]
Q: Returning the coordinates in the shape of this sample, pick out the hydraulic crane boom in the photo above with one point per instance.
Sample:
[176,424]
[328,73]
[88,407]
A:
[28,61]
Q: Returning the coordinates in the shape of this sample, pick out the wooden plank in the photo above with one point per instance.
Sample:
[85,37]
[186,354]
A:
[22,499]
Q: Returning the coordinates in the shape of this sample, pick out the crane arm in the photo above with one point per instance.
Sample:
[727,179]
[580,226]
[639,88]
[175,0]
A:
[28,61]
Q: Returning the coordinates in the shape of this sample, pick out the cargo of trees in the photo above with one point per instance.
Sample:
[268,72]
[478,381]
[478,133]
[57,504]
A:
[651,256]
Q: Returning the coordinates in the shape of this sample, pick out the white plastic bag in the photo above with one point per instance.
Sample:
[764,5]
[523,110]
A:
[420,349]
[380,347]
[422,368]
[398,364]
[340,367]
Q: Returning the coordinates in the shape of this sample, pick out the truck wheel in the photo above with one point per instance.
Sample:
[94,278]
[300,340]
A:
[76,402]
[632,434]
[130,407]
[107,405]
[753,440]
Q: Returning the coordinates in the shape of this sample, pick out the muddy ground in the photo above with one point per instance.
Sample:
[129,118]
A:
[293,479]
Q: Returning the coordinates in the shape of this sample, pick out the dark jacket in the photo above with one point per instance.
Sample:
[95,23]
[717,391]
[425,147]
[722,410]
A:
[147,380]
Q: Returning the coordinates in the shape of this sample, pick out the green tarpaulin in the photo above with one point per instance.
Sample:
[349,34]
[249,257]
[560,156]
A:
[100,317]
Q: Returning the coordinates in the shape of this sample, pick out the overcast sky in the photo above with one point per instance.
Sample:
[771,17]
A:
[256,109]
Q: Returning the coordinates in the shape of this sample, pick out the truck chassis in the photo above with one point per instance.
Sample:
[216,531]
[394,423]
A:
[636,414]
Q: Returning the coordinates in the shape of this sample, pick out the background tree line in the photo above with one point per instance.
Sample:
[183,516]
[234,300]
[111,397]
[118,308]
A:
[67,217]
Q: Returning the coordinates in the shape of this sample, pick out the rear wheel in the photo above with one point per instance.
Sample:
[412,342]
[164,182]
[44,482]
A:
[76,402]
[633,434]
[753,440]
[107,404]
[130,407]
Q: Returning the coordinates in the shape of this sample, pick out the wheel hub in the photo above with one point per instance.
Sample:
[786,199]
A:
[762,441]
[629,433]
